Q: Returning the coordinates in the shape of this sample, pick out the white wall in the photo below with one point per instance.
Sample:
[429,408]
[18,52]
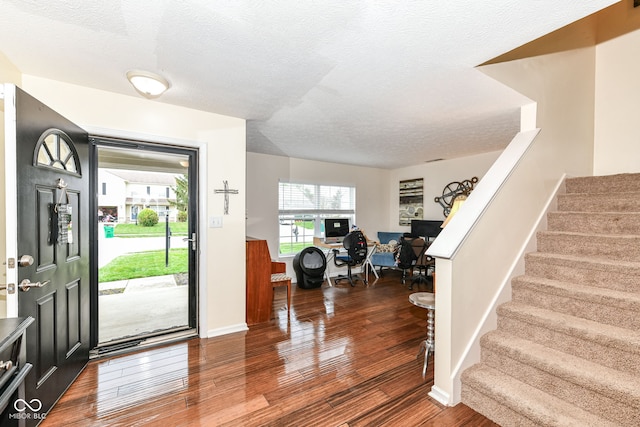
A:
[8,74]
[617,145]
[264,172]
[222,141]
[436,176]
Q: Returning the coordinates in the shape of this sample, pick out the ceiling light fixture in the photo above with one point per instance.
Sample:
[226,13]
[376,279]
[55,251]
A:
[148,84]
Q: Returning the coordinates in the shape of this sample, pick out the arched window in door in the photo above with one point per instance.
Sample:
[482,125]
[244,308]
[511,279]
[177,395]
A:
[55,150]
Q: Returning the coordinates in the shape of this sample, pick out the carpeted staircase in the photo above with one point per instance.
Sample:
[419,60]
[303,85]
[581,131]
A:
[567,348]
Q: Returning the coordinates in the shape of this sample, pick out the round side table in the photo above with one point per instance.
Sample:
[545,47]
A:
[426,300]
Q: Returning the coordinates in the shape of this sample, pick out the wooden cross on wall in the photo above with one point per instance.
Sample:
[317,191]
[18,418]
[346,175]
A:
[226,191]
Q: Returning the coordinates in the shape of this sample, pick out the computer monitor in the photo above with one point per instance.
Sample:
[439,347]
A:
[335,229]
[428,229]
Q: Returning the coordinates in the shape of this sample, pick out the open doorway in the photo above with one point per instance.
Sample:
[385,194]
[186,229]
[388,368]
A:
[145,242]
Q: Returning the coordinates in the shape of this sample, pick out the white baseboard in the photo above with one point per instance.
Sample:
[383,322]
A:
[440,395]
[240,327]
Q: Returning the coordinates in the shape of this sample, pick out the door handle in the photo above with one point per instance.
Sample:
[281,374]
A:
[193,240]
[26,284]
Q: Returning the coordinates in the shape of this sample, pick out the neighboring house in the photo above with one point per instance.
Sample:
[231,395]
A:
[122,194]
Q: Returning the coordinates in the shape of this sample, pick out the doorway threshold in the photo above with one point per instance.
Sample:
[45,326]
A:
[127,346]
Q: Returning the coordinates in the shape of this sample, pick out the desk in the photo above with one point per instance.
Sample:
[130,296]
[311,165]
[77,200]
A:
[371,248]
[329,255]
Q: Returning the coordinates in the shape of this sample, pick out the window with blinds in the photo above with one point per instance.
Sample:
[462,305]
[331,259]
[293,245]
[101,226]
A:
[303,208]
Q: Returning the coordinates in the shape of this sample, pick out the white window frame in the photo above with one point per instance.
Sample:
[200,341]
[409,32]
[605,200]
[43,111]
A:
[300,203]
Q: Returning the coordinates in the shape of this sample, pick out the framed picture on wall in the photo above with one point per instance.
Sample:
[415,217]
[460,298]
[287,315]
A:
[411,200]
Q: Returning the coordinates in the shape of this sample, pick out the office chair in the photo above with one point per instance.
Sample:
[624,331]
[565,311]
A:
[423,262]
[406,257]
[412,255]
[356,245]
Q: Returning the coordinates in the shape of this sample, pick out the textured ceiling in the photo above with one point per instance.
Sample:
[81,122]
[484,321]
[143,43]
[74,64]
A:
[372,83]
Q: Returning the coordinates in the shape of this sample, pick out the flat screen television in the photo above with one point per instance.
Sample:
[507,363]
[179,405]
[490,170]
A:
[426,228]
[335,229]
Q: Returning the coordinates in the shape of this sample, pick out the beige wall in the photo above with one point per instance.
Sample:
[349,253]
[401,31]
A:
[221,140]
[617,145]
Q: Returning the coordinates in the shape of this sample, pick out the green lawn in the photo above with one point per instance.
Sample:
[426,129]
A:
[144,264]
[293,248]
[133,230]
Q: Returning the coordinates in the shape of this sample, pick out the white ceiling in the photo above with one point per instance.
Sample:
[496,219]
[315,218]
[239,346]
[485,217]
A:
[373,83]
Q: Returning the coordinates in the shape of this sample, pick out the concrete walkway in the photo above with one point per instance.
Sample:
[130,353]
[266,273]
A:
[140,306]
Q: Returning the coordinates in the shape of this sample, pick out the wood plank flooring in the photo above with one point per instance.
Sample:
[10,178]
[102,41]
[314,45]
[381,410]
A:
[345,357]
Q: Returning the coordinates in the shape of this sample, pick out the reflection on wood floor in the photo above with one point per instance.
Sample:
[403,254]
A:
[346,357]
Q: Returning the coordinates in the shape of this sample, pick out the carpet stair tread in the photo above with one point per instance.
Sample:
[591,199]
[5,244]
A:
[619,386]
[599,202]
[594,236]
[595,222]
[603,246]
[616,183]
[540,407]
[620,338]
[597,272]
[609,297]
[607,265]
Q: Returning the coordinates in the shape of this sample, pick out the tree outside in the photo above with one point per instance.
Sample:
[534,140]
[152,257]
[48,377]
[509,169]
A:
[181,190]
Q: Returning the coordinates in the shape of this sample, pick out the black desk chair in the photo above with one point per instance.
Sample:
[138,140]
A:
[412,256]
[356,245]
[423,264]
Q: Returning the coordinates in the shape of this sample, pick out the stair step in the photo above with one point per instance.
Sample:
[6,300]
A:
[600,305]
[609,274]
[603,246]
[595,222]
[485,390]
[599,202]
[590,386]
[567,348]
[618,183]
[608,345]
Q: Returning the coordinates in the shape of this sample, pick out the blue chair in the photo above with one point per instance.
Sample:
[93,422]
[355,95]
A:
[384,256]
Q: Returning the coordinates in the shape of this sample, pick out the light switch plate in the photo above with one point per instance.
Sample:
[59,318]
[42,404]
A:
[215,222]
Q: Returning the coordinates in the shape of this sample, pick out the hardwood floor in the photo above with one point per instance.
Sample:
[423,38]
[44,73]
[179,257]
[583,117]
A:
[346,357]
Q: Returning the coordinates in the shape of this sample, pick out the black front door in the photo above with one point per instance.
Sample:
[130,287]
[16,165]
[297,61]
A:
[53,221]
